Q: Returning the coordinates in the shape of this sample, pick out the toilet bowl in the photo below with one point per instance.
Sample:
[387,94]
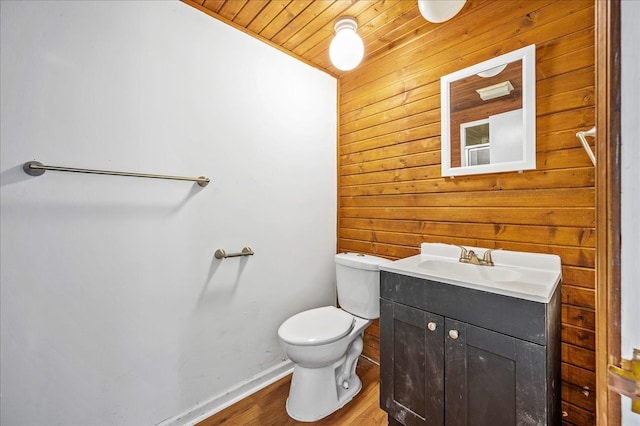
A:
[325,343]
[324,378]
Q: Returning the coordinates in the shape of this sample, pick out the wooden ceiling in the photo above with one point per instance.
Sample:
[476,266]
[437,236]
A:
[304,28]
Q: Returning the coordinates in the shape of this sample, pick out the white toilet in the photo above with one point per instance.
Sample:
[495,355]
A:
[325,343]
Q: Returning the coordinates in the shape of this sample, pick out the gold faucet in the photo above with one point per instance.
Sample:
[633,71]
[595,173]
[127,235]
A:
[469,256]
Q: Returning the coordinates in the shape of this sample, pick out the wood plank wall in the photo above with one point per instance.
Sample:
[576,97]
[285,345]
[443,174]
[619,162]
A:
[391,194]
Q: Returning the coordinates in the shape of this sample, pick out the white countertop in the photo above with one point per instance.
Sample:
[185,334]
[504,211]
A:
[530,276]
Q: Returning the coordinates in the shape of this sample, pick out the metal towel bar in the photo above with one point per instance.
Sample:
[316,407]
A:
[221,254]
[581,135]
[36,168]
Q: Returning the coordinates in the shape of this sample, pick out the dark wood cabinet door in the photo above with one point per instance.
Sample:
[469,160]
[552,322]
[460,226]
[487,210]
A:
[411,364]
[485,372]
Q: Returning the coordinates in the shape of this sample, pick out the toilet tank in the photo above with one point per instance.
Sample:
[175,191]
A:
[358,283]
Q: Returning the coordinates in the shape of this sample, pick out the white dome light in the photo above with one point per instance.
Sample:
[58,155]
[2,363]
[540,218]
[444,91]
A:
[346,49]
[439,10]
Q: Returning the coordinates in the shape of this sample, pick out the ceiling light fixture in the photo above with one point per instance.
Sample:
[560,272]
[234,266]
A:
[495,91]
[346,49]
[440,10]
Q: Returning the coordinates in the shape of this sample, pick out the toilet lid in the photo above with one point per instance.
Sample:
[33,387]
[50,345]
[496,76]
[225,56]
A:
[317,326]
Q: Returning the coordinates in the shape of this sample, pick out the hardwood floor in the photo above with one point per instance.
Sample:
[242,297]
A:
[267,406]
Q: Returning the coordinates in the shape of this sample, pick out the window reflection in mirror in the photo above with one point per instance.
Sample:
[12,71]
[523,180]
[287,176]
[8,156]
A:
[475,143]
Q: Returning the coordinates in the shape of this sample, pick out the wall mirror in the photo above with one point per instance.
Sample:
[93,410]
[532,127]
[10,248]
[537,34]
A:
[489,116]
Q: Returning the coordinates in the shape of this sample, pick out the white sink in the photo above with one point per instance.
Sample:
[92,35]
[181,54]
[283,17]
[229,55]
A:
[467,272]
[531,276]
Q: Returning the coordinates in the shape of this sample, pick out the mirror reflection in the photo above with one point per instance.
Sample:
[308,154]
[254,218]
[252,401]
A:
[475,143]
[488,116]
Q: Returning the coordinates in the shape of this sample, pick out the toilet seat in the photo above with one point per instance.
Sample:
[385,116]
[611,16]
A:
[317,326]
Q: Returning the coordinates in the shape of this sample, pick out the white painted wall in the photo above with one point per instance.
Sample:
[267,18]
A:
[114,310]
[630,194]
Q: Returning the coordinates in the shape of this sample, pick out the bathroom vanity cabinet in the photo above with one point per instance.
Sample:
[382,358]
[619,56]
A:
[451,355]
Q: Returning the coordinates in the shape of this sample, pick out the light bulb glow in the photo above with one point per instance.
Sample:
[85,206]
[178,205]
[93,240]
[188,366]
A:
[438,11]
[346,49]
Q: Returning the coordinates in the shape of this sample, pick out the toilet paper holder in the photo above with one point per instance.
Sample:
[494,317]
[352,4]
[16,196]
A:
[221,254]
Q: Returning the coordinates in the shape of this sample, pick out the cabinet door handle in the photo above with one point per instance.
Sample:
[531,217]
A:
[432,326]
[453,334]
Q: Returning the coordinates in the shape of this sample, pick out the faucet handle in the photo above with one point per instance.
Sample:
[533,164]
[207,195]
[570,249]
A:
[487,259]
[464,255]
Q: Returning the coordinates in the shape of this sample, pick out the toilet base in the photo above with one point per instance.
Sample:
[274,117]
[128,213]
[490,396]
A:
[309,404]
[317,392]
